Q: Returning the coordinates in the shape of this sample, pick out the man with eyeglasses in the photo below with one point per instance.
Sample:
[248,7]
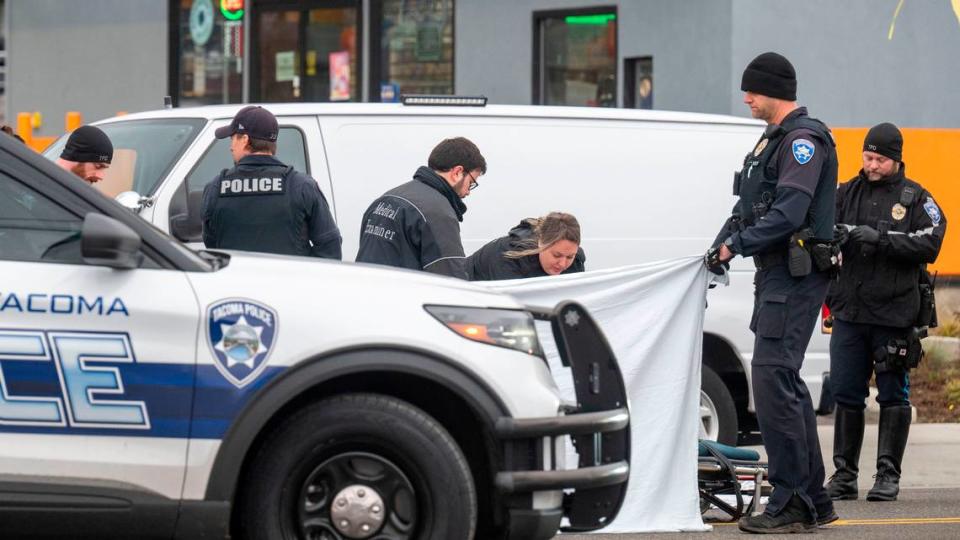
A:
[416,225]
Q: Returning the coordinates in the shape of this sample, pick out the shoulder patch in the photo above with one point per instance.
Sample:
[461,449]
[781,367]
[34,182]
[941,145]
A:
[803,151]
[933,211]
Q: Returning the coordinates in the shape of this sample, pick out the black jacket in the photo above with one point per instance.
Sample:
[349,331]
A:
[878,283]
[263,205]
[490,264]
[417,226]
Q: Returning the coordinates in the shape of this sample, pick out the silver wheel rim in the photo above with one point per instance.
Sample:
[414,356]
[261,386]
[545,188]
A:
[709,422]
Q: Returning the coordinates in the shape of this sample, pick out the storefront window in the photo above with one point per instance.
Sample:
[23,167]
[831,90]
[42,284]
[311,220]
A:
[413,51]
[210,51]
[576,58]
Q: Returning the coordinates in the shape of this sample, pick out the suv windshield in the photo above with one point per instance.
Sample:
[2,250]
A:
[143,152]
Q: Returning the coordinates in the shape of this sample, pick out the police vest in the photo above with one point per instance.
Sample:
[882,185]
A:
[756,183]
[254,211]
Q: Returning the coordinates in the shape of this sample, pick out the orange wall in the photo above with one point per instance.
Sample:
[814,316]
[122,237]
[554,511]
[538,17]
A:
[930,156]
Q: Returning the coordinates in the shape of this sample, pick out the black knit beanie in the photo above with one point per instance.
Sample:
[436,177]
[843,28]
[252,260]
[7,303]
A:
[771,75]
[886,140]
[88,144]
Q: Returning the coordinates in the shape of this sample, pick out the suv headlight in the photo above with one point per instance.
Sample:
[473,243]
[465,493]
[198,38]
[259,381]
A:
[512,329]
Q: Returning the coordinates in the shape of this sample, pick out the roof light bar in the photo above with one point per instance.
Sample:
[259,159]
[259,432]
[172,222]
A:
[454,101]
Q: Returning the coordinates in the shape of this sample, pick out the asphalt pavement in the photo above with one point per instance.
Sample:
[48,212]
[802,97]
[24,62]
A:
[928,507]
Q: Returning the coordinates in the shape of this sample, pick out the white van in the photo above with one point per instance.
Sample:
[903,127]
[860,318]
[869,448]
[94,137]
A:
[645,185]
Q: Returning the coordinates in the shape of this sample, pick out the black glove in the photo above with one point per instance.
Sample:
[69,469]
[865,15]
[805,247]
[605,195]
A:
[865,234]
[711,259]
[840,234]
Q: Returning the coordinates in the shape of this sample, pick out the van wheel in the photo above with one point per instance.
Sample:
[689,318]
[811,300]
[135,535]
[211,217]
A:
[357,466]
[718,413]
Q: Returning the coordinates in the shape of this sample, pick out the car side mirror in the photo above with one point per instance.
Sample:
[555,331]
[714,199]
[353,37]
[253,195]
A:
[131,200]
[105,241]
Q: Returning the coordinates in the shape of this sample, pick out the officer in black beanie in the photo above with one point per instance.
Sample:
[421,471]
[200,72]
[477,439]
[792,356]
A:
[87,154]
[785,213]
[895,228]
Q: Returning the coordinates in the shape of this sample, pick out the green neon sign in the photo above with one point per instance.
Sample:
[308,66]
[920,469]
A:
[597,20]
[232,10]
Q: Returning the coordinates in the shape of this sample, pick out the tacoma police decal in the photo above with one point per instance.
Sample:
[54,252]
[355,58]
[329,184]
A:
[803,151]
[932,210]
[241,334]
[898,212]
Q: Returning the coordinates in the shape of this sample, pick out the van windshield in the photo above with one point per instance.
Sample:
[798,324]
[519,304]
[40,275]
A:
[144,151]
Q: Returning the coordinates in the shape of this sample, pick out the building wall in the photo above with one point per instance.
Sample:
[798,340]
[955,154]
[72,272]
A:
[849,72]
[688,40]
[93,56]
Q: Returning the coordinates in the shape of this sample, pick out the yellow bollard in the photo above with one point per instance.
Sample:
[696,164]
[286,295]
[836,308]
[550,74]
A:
[24,128]
[72,121]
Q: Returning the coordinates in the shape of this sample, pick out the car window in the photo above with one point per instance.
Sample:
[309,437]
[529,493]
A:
[290,150]
[143,152]
[34,228]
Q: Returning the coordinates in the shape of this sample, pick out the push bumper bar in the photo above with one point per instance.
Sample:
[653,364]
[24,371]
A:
[599,426]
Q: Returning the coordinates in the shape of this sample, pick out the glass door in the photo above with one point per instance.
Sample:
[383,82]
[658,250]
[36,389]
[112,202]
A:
[309,54]
[278,37]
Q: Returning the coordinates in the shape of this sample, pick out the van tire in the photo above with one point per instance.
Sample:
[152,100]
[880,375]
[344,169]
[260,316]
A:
[332,449]
[717,403]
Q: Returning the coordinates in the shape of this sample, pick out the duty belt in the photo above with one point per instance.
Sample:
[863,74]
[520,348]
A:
[770,259]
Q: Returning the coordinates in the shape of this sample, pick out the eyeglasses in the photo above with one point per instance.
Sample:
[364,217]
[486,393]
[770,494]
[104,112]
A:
[473,181]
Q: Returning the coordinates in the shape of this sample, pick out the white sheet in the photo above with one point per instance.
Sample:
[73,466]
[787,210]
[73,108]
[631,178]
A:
[652,315]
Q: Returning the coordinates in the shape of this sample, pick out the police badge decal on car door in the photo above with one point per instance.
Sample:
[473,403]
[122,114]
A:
[241,334]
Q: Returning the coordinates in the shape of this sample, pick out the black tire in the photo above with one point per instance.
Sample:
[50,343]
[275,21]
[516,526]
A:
[725,409]
[367,439]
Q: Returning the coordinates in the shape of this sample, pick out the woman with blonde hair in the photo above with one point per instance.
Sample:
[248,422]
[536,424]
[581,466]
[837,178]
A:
[545,246]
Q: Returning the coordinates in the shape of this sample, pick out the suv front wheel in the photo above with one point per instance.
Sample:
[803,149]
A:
[358,466]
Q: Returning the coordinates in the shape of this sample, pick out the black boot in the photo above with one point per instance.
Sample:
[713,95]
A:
[894,428]
[794,518]
[847,439]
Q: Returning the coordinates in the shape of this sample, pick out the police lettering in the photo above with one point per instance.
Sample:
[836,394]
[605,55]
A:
[242,308]
[61,304]
[242,186]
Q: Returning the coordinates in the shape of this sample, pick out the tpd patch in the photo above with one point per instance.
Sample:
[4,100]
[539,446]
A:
[803,151]
[933,211]
[241,334]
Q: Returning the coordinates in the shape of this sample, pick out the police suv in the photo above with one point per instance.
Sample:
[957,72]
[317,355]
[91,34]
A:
[150,391]
[645,186]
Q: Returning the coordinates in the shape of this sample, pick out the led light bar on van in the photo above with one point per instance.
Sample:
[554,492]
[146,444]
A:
[455,101]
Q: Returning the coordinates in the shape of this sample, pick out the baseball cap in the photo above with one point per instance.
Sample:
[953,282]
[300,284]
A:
[253,121]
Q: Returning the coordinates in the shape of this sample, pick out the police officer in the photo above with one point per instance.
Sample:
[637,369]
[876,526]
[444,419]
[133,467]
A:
[417,225]
[261,204]
[895,228]
[87,154]
[786,208]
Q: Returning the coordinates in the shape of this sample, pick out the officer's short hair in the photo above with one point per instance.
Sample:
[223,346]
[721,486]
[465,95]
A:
[261,145]
[457,151]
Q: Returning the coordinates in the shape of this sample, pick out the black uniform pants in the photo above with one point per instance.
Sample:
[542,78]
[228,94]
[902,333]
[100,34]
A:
[785,313]
[853,348]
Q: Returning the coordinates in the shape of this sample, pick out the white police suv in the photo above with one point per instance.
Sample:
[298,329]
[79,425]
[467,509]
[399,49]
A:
[149,391]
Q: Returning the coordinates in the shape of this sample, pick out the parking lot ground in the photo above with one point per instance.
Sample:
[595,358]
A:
[929,505]
[921,513]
